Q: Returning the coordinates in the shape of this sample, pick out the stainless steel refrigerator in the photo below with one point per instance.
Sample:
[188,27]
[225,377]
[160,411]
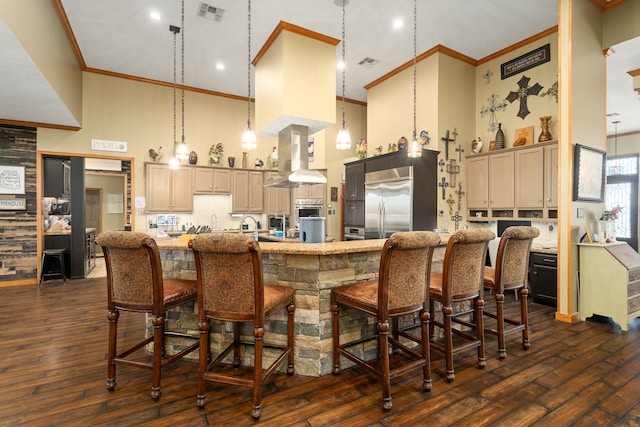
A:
[388,202]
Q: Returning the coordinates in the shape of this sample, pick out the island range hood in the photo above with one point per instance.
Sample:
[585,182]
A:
[293,159]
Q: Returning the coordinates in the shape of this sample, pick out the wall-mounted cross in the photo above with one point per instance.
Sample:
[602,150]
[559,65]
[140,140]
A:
[444,184]
[457,218]
[453,169]
[459,192]
[523,92]
[441,164]
[460,150]
[447,140]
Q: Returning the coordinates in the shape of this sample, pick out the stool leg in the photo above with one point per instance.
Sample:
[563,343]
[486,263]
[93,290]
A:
[63,268]
[44,257]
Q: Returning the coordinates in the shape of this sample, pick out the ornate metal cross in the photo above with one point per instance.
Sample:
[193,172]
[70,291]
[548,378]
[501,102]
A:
[459,192]
[441,164]
[460,150]
[453,169]
[447,140]
[487,76]
[457,218]
[444,184]
[523,92]
[494,105]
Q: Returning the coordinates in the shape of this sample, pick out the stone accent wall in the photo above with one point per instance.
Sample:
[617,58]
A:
[18,229]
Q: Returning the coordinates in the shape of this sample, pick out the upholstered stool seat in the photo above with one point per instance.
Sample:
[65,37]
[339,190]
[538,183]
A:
[53,265]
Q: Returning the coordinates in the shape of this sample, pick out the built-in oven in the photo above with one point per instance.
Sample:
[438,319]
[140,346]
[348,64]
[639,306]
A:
[304,208]
[354,233]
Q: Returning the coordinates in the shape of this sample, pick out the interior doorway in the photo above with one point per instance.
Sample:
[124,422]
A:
[92,212]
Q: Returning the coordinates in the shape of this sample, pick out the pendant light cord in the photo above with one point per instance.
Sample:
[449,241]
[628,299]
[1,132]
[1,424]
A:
[249,65]
[344,65]
[415,15]
[182,72]
[175,31]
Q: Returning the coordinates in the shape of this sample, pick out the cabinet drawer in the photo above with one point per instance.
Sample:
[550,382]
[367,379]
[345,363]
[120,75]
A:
[634,274]
[633,289]
[633,305]
[538,258]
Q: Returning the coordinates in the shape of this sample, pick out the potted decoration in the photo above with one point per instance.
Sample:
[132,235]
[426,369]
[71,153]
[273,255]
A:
[215,154]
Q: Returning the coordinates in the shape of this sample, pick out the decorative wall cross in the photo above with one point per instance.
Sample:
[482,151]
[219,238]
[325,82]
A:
[494,105]
[444,184]
[453,169]
[450,202]
[524,90]
[487,76]
[441,164]
[459,192]
[457,218]
[460,150]
[447,140]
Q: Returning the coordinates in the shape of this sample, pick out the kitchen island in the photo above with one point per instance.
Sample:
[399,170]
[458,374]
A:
[313,269]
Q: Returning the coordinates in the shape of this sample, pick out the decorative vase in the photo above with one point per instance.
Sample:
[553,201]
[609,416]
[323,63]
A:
[499,138]
[545,135]
[244,160]
[274,158]
[193,158]
[232,161]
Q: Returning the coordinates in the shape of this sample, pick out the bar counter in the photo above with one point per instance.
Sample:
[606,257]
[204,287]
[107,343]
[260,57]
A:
[313,269]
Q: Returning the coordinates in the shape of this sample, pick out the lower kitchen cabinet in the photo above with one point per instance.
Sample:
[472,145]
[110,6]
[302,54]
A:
[543,278]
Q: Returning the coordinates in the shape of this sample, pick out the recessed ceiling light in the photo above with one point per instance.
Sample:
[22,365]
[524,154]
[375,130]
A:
[340,65]
[397,23]
[220,66]
[155,15]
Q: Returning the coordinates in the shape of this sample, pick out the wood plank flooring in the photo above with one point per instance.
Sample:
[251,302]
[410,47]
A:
[53,344]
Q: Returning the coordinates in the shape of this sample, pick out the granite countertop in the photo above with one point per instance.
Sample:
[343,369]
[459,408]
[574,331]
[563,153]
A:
[544,250]
[68,232]
[293,246]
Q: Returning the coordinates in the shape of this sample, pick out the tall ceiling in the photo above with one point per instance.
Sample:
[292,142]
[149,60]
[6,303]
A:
[118,36]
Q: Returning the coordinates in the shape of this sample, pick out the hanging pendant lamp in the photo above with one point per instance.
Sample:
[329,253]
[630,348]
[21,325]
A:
[414,149]
[182,153]
[174,163]
[249,136]
[343,140]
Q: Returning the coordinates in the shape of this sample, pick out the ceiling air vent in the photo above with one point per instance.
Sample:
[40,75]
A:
[210,12]
[368,62]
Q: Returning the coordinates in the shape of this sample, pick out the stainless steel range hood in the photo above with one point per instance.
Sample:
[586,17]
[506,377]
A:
[293,159]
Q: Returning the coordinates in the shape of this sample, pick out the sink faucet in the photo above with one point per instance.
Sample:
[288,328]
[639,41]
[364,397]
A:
[255,226]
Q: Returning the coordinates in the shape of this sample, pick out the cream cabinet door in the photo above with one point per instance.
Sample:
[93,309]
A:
[221,181]
[158,188]
[182,190]
[529,178]
[478,182]
[501,181]
[203,178]
[277,200]
[551,176]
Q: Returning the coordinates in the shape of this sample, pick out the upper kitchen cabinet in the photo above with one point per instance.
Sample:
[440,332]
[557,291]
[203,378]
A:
[518,182]
[354,181]
[169,190]
[248,191]
[278,200]
[315,191]
[57,177]
[212,181]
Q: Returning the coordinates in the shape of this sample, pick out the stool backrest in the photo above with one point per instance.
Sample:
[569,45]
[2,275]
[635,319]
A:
[405,267]
[229,272]
[463,268]
[134,271]
[512,261]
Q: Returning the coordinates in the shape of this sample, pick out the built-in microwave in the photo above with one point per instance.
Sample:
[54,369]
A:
[304,208]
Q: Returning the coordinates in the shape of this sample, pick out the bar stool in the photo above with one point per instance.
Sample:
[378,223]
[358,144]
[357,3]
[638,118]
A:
[49,256]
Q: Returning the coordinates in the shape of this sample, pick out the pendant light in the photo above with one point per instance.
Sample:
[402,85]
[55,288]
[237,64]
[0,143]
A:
[414,149]
[249,136]
[182,153]
[174,163]
[343,140]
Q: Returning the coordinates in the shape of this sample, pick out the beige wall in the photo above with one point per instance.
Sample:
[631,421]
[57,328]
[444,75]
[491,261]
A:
[141,114]
[36,25]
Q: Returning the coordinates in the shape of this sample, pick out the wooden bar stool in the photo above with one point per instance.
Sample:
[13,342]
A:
[402,288]
[462,279]
[231,288]
[510,273]
[135,283]
[50,256]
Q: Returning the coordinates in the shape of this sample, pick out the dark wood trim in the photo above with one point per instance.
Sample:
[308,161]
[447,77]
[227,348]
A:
[518,45]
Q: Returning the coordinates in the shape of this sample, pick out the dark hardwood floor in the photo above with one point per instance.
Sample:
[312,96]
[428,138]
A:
[53,344]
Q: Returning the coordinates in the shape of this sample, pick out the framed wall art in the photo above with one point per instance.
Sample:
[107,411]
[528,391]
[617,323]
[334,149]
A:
[12,179]
[588,173]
